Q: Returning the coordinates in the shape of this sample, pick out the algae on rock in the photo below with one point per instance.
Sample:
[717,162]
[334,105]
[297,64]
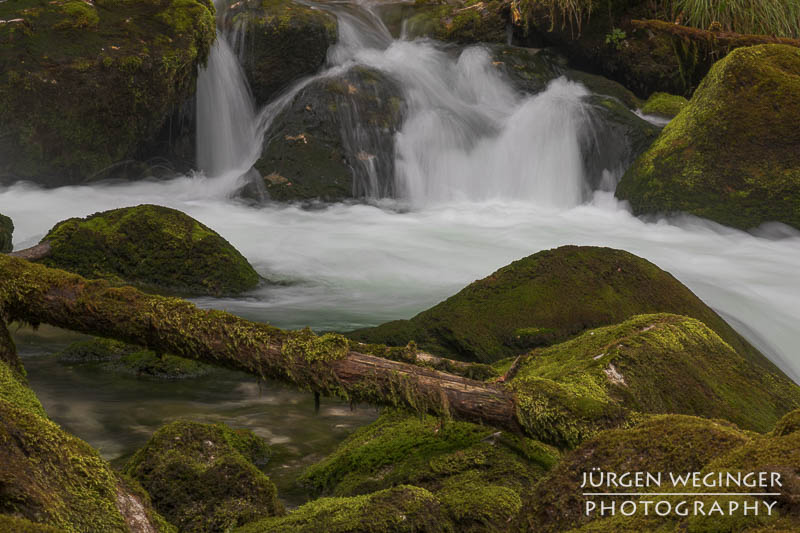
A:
[204,478]
[84,85]
[153,247]
[733,153]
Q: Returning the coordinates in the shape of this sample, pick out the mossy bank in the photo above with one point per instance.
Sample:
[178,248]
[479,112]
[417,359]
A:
[150,246]
[85,85]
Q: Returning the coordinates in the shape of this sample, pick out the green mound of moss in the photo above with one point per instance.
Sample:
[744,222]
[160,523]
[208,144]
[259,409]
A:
[53,481]
[314,151]
[84,85]
[648,364]
[479,475]
[546,298]
[132,359]
[663,104]
[203,477]
[459,22]
[733,153]
[150,246]
[788,424]
[660,444]
[402,509]
[6,230]
[286,41]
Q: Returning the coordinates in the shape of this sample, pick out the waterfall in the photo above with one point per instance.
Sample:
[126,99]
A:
[226,118]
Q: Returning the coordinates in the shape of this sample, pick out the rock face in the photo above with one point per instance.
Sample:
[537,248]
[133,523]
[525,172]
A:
[203,477]
[546,298]
[6,231]
[52,481]
[732,154]
[335,140]
[151,246]
[283,41]
[84,85]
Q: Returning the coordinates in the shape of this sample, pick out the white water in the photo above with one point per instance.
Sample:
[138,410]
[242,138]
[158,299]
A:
[486,176]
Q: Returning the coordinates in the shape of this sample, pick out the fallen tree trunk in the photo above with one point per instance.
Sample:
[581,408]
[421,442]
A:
[325,364]
[719,39]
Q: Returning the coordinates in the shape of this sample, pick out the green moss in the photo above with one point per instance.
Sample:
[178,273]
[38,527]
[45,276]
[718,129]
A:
[733,153]
[478,474]
[286,41]
[788,424]
[96,349]
[150,246]
[460,22]
[6,230]
[14,390]
[648,364]
[402,509]
[86,85]
[202,477]
[22,525]
[665,105]
[558,292]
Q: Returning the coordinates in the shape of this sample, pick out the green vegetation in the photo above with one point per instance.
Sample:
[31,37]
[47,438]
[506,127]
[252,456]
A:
[286,41]
[84,85]
[780,18]
[733,153]
[666,105]
[203,477]
[546,298]
[6,230]
[153,247]
[653,364]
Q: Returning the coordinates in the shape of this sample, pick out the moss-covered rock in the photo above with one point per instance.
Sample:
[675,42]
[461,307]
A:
[402,509]
[546,298]
[648,364]
[6,230]
[335,140]
[284,41]
[479,475]
[733,153]
[463,22]
[122,357]
[203,477]
[660,444]
[788,424]
[150,246]
[84,84]
[51,478]
[664,105]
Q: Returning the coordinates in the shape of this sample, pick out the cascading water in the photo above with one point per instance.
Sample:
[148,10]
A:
[489,175]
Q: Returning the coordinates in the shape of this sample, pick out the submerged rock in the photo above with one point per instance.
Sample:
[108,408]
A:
[335,140]
[733,153]
[52,481]
[203,477]
[479,475]
[648,364]
[83,86]
[546,298]
[283,41]
[118,356]
[6,231]
[150,246]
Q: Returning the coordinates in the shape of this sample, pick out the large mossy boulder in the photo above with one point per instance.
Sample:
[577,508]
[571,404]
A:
[733,153]
[546,298]
[84,85]
[283,41]
[458,22]
[335,140]
[53,481]
[649,364]
[479,476]
[6,231]
[401,509]
[150,246]
[204,478]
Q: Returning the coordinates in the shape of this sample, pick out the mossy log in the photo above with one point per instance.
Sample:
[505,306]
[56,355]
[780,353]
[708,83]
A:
[720,39]
[326,364]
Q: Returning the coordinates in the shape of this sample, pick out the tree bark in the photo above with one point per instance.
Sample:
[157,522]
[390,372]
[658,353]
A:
[720,39]
[326,364]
